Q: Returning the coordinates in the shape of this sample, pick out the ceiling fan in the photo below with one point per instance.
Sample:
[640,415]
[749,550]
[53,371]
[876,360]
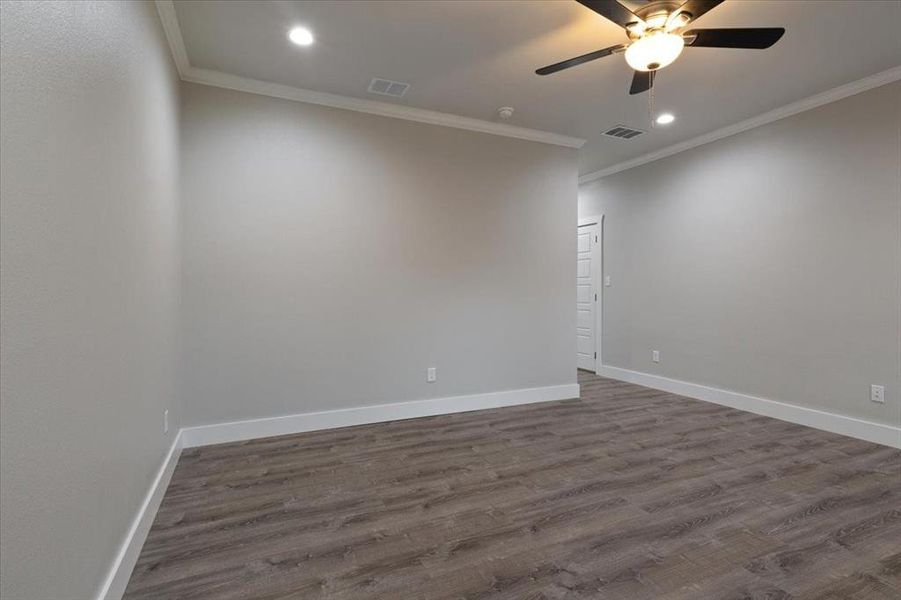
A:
[657,36]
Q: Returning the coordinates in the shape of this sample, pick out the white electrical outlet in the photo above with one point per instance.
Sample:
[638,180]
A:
[606,280]
[877,393]
[431,375]
[655,355]
[166,421]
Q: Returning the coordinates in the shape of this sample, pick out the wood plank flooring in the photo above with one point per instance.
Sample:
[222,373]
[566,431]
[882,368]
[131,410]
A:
[625,493]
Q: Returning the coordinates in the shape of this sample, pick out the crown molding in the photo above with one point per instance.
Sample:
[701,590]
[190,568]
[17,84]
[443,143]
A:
[169,21]
[833,95]
[186,72]
[373,107]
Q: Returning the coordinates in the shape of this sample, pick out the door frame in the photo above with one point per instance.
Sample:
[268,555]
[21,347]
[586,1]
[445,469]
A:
[597,279]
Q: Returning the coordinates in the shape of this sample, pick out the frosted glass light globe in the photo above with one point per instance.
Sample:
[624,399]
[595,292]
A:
[654,51]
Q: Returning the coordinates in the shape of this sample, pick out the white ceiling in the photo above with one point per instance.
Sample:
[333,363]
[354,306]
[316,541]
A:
[470,57]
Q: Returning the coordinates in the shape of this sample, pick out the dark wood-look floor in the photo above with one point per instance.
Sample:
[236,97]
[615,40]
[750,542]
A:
[625,493]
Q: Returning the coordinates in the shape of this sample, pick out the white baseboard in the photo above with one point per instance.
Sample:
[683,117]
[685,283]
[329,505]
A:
[879,433]
[120,572]
[235,431]
[117,579]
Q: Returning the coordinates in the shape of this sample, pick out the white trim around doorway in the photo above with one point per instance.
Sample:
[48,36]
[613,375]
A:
[597,277]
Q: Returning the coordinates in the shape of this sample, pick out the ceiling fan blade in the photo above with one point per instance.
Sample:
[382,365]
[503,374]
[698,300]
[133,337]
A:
[757,38]
[572,62]
[642,81]
[696,8]
[612,10]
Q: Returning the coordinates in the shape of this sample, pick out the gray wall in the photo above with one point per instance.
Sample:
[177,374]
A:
[330,257]
[89,217]
[768,262]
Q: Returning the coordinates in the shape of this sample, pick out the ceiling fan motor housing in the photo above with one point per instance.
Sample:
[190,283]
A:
[656,7]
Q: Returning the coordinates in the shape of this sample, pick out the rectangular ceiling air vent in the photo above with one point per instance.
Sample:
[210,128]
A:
[621,132]
[386,87]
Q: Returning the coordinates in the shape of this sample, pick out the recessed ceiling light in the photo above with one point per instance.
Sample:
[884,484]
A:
[665,119]
[301,36]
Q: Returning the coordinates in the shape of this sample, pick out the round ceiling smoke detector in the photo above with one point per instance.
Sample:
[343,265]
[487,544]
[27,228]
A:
[505,112]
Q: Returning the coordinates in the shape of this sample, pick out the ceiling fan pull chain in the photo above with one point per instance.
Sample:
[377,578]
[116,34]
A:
[651,101]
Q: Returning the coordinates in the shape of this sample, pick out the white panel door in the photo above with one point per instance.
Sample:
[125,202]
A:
[586,297]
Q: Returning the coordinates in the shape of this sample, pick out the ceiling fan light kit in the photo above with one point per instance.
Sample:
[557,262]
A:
[654,51]
[657,38]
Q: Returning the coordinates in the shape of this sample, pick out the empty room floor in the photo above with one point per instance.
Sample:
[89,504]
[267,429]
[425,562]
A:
[626,492]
